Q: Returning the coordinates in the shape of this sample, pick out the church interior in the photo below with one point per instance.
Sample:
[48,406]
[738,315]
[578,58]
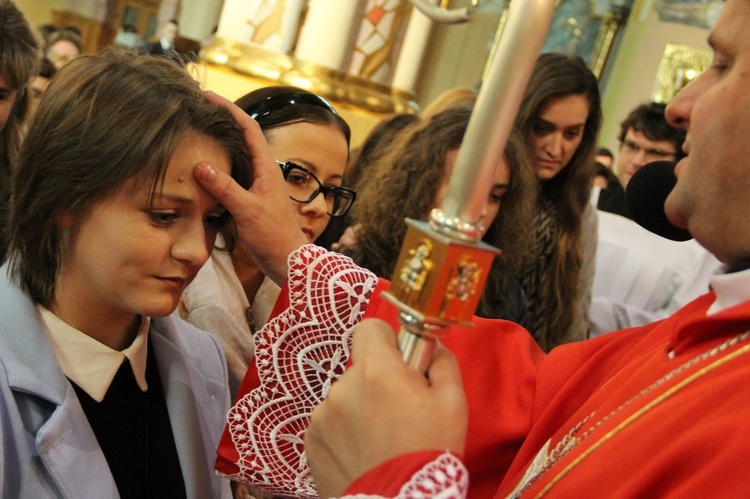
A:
[374,57]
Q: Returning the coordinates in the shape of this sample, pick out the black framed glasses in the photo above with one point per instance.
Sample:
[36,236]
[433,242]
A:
[630,147]
[276,102]
[304,186]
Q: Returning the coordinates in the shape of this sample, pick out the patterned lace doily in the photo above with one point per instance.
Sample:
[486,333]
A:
[443,478]
[298,355]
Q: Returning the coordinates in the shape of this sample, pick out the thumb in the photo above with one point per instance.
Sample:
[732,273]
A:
[376,339]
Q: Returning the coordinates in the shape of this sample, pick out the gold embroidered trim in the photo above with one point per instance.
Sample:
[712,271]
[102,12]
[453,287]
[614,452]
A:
[569,441]
[687,381]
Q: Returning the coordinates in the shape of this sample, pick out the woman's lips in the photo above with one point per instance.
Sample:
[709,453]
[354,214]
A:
[174,282]
[548,163]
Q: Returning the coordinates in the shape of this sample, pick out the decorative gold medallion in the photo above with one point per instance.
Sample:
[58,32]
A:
[462,284]
[415,270]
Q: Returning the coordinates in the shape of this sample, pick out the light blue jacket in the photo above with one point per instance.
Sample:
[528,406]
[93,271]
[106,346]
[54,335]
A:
[48,447]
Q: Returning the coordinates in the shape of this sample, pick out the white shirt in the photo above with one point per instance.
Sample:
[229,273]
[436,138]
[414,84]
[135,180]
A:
[731,289]
[641,277]
[92,365]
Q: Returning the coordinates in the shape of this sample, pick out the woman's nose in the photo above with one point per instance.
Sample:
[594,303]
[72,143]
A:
[318,205]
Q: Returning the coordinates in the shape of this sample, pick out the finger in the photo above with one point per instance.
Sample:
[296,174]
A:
[263,161]
[222,187]
[375,349]
[375,342]
[374,337]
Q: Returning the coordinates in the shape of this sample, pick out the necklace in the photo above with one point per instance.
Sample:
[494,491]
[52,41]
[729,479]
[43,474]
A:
[543,462]
[250,318]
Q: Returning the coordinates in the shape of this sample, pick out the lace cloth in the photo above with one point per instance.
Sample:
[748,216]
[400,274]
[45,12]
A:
[298,355]
[445,478]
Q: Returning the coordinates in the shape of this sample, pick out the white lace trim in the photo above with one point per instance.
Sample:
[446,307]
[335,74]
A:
[298,355]
[443,478]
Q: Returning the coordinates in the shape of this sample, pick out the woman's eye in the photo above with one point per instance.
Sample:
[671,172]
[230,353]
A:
[298,179]
[495,198]
[217,220]
[540,129]
[163,218]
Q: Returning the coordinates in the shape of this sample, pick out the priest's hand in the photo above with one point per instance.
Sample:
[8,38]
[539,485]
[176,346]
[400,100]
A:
[266,222]
[380,408]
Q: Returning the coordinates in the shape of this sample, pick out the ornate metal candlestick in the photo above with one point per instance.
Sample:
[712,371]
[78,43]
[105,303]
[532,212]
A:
[443,265]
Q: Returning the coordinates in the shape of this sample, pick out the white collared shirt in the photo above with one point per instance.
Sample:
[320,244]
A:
[731,289]
[90,364]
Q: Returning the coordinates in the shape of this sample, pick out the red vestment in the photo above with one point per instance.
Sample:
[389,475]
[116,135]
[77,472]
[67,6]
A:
[657,410]
[669,413]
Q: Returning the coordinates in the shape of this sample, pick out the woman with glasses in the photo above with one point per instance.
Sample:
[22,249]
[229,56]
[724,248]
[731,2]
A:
[231,297]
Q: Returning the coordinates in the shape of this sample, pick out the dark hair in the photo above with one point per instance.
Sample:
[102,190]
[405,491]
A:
[358,167]
[377,141]
[290,105]
[47,69]
[603,151]
[105,119]
[45,30]
[649,120]
[606,174]
[19,46]
[71,28]
[555,76]
[67,34]
[510,230]
[402,182]
[20,49]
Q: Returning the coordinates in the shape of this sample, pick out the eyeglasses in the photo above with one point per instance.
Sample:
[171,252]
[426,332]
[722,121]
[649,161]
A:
[304,186]
[276,102]
[632,148]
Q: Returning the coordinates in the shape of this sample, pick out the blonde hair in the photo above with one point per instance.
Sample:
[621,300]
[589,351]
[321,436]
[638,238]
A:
[453,97]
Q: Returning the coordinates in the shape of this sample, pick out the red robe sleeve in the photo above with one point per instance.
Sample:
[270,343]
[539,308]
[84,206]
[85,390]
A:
[499,362]
[306,347]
